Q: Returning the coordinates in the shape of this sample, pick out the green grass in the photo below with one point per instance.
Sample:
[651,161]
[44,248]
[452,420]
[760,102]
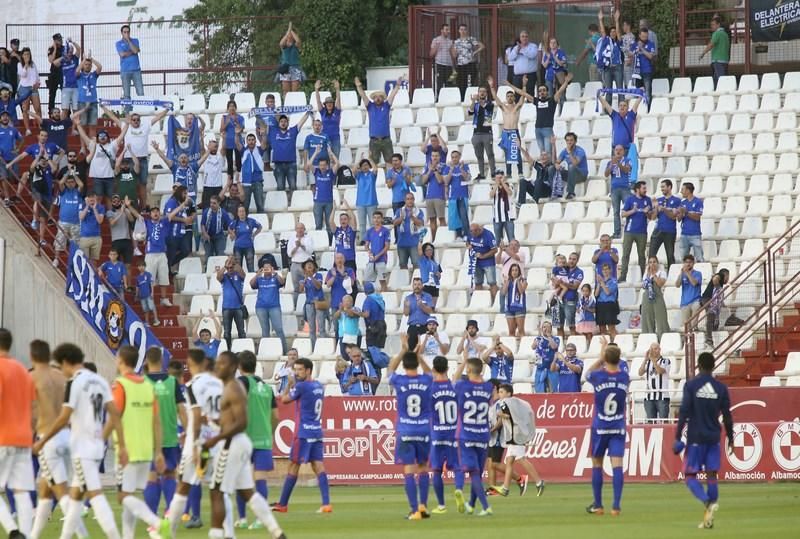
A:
[649,511]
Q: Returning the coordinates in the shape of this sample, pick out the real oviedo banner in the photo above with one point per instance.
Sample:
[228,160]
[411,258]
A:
[774,20]
[113,320]
[359,439]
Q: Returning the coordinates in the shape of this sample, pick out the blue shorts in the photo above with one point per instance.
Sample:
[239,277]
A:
[305,451]
[472,455]
[262,460]
[701,457]
[413,452]
[442,455]
[172,457]
[612,445]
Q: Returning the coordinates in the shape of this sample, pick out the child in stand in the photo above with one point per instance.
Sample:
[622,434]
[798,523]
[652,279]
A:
[113,271]
[559,279]
[144,293]
[586,325]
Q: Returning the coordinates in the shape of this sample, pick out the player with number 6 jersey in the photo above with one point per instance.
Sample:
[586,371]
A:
[608,425]
[444,424]
[413,426]
[474,396]
[307,394]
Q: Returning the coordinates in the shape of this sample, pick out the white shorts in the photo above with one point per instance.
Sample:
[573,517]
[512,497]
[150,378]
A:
[188,470]
[16,468]
[86,474]
[133,476]
[516,451]
[156,264]
[54,459]
[232,467]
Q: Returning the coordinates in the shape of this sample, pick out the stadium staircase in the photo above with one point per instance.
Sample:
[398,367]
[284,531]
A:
[171,333]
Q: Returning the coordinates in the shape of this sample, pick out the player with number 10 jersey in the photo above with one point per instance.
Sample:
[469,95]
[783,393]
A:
[444,424]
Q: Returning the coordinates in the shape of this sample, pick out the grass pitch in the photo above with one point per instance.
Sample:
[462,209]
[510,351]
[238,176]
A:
[648,511]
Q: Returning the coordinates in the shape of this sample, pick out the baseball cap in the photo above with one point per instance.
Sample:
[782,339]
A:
[369,288]
[472,323]
[432,320]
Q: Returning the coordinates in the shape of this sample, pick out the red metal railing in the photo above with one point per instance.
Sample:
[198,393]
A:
[766,285]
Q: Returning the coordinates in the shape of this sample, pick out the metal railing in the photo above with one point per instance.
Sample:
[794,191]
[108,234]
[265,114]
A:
[759,291]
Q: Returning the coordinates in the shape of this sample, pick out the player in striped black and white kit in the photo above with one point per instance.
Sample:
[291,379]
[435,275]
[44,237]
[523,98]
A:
[656,368]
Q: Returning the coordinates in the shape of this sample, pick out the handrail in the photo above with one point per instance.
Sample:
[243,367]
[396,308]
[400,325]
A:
[761,275]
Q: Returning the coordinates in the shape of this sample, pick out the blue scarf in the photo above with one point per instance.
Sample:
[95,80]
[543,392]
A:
[636,92]
[137,102]
[261,112]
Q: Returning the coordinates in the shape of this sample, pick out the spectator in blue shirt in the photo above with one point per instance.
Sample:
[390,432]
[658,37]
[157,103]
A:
[500,361]
[574,157]
[87,95]
[606,254]
[637,210]
[690,282]
[456,177]
[207,343]
[483,247]
[366,194]
[430,271]
[379,110]
[341,280]
[253,168]
[644,57]
[400,180]
[666,209]
[569,369]
[690,213]
[316,145]
[554,62]
[283,141]
[268,283]
[214,225]
[344,237]
[618,169]
[315,309]
[323,178]
[181,213]
[91,214]
[144,293]
[433,145]
[610,53]
[69,198]
[10,139]
[377,241]
[433,183]
[68,63]
[130,70]
[409,222]
[373,310]
[360,375]
[231,277]
[232,126]
[607,306]
[418,307]
[330,112]
[623,123]
[242,230]
[569,299]
[114,271]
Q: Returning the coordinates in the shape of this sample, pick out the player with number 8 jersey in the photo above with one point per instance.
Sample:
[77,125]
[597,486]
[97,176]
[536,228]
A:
[608,425]
[307,394]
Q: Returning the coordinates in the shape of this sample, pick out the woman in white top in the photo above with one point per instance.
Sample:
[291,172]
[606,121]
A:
[654,310]
[28,90]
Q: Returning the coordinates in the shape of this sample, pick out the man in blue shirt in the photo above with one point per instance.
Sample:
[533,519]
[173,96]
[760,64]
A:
[623,123]
[69,223]
[690,213]
[690,282]
[500,360]
[115,272]
[409,222]
[418,307]
[644,56]
[87,95]
[252,174]
[574,157]
[637,210]
[130,70]
[344,237]
[705,399]
[377,242]
[231,277]
[69,80]
[610,385]
[323,178]
[606,254]
[666,209]
[181,212]
[268,283]
[483,246]
[283,141]
[400,180]
[214,224]
[434,145]
[456,177]
[569,369]
[9,143]
[360,375]
[317,143]
[307,394]
[433,183]
[91,214]
[207,344]
[379,110]
[618,169]
[569,300]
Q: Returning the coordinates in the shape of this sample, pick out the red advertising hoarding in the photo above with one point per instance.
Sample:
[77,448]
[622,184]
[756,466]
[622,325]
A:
[359,439]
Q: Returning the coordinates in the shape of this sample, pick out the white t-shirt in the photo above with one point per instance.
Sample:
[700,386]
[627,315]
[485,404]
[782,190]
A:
[305,251]
[205,391]
[137,138]
[432,349]
[87,395]
[102,165]
[212,167]
[472,351]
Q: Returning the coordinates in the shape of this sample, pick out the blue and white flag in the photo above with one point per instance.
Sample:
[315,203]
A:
[277,111]
[138,103]
[634,92]
[633,156]
[108,315]
[183,140]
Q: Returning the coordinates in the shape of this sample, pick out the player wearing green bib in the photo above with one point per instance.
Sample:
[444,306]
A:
[170,407]
[135,398]
[262,418]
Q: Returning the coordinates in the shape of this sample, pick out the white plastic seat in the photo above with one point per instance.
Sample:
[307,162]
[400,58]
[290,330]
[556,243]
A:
[217,103]
[452,116]
[423,97]
[242,345]
[703,85]
[194,103]
[195,283]
[358,137]
[295,99]
[792,365]
[410,135]
[190,265]
[551,212]
[402,118]
[283,222]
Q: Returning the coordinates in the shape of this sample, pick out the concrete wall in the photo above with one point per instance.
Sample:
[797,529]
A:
[35,305]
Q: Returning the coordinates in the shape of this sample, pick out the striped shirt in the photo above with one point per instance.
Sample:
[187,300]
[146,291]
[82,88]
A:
[503,208]
[443,45]
[657,383]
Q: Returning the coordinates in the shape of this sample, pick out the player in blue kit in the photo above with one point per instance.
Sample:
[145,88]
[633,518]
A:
[413,426]
[307,394]
[704,400]
[474,396]
[608,426]
[444,423]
